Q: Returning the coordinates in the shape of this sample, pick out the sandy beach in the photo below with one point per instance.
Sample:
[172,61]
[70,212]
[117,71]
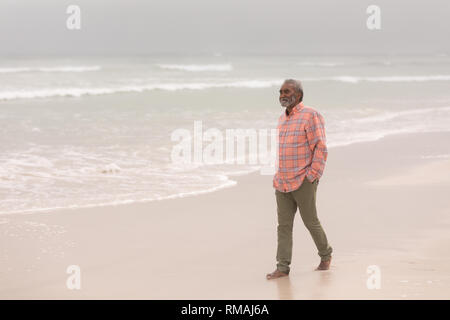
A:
[382,203]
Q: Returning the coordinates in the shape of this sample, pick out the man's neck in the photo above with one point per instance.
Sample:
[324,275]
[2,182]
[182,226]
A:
[289,109]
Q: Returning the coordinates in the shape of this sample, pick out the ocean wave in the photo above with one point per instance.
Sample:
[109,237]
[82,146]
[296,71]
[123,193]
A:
[51,69]
[249,84]
[436,156]
[333,64]
[404,113]
[197,67]
[321,64]
[375,127]
[373,63]
[225,183]
[355,79]
[78,92]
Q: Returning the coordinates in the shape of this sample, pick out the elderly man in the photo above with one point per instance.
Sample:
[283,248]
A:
[302,156]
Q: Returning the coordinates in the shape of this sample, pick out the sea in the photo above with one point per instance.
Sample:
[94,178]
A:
[99,130]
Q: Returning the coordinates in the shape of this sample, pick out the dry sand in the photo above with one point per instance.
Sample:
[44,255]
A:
[383,203]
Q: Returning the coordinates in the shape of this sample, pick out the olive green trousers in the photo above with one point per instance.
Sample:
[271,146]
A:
[287,202]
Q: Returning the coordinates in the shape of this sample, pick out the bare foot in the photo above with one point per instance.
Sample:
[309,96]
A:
[276,274]
[324,265]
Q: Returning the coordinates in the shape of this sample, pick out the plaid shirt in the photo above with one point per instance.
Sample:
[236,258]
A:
[302,148]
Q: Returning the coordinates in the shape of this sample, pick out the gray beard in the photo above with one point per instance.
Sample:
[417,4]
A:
[288,102]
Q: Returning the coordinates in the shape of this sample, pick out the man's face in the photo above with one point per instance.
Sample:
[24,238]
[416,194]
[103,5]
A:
[288,96]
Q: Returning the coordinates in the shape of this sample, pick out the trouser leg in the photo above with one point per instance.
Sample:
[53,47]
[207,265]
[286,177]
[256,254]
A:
[286,209]
[305,197]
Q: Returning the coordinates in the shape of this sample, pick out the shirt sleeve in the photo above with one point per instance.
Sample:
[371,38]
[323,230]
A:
[315,133]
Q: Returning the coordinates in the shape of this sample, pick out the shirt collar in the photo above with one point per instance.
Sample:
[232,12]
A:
[294,110]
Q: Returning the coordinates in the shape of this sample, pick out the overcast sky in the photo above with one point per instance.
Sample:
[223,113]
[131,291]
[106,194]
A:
[227,26]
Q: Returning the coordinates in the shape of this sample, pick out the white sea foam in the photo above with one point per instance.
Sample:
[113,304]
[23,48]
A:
[369,63]
[346,140]
[51,69]
[70,69]
[320,64]
[392,115]
[225,183]
[375,127]
[436,156]
[78,92]
[174,86]
[355,79]
[197,67]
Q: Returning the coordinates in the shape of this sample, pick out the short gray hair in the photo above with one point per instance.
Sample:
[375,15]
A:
[297,86]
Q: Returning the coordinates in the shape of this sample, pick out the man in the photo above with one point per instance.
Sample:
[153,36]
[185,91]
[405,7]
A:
[302,157]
